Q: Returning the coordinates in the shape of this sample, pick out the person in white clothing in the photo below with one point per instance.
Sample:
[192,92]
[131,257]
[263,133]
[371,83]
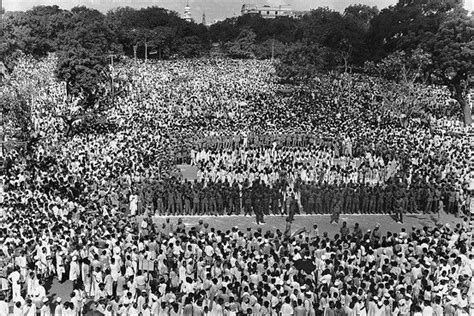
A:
[286,308]
[74,270]
[14,279]
[4,308]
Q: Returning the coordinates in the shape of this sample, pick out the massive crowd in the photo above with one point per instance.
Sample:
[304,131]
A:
[259,148]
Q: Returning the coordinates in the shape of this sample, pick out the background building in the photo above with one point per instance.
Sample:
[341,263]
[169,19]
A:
[268,11]
[187,13]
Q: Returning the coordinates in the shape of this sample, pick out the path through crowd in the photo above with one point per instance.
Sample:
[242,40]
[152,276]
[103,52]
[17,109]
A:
[366,222]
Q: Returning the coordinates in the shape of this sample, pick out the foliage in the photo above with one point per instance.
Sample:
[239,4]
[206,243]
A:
[401,66]
[16,111]
[160,29]
[302,61]
[84,51]
[452,49]
[282,29]
[243,46]
[411,41]
[90,106]
[264,50]
[407,25]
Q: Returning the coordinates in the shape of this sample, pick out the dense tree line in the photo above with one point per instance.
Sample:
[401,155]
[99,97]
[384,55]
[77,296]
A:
[415,40]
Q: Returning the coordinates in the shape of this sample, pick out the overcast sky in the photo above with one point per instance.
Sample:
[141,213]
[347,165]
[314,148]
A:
[214,9]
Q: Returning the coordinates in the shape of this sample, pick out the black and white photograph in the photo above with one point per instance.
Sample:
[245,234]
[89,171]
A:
[236,157]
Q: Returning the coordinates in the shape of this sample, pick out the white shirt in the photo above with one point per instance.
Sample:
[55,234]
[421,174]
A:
[427,311]
[3,308]
[286,310]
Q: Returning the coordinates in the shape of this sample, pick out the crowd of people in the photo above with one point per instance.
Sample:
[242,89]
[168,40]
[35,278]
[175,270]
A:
[120,268]
[259,147]
[239,127]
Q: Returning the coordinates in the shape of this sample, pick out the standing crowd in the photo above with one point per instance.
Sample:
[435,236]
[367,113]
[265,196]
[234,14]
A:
[70,206]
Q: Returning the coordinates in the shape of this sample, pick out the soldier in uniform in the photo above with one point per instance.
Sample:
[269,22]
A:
[389,199]
[411,201]
[219,201]
[452,206]
[257,205]
[311,199]
[266,198]
[336,210]
[378,200]
[304,197]
[171,201]
[325,199]
[196,205]
[363,200]
[319,201]
[204,202]
[160,206]
[372,200]
[247,197]
[234,201]
[429,199]
[179,200]
[293,207]
[212,202]
[277,199]
[399,205]
[187,202]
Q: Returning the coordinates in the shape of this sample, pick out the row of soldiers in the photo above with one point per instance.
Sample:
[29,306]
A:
[175,197]
[268,140]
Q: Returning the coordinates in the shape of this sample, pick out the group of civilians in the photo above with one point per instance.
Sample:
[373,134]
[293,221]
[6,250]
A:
[259,148]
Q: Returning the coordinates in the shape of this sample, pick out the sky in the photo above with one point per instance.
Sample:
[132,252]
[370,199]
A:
[214,9]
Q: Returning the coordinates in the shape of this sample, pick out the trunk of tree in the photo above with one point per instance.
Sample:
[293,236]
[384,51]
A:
[465,107]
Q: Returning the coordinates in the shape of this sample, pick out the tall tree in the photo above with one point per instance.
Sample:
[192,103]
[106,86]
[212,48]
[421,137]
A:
[452,49]
[302,61]
[356,24]
[243,46]
[407,24]
[36,31]
[85,47]
[403,67]
[16,112]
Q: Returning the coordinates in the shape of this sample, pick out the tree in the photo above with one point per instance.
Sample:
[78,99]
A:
[407,25]
[189,47]
[90,106]
[16,112]
[268,48]
[452,50]
[344,52]
[302,61]
[356,23]
[361,13]
[84,51]
[243,46]
[86,48]
[161,29]
[321,26]
[402,67]
[36,31]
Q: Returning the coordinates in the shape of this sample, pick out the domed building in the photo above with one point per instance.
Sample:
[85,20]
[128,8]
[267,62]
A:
[187,13]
